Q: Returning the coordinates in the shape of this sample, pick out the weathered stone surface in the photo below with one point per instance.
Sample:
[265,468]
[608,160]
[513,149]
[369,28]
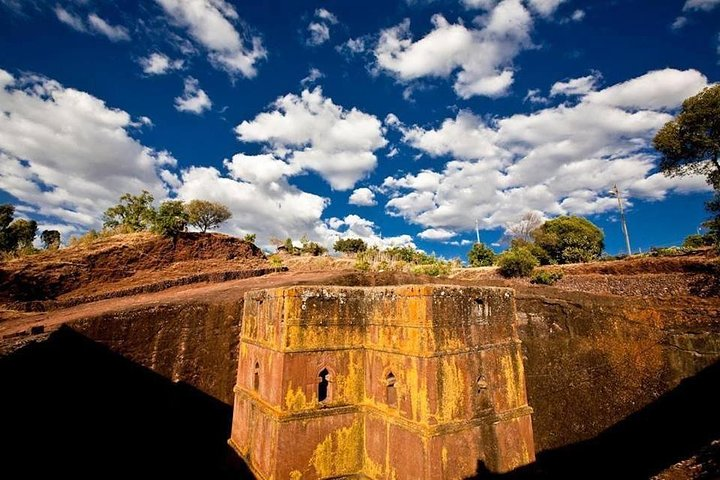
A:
[424,382]
[195,344]
[593,360]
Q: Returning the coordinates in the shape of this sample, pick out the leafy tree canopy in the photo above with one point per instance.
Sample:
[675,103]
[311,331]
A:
[690,143]
[24,232]
[480,255]
[134,212]
[170,219]
[7,241]
[50,239]
[570,239]
[517,262]
[206,215]
[350,245]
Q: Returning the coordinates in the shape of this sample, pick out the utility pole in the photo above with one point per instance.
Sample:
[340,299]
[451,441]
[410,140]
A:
[616,192]
[477,230]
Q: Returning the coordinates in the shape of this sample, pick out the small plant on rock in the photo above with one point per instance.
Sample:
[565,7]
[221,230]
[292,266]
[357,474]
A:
[547,277]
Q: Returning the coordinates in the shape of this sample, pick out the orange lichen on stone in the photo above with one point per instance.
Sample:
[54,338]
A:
[381,383]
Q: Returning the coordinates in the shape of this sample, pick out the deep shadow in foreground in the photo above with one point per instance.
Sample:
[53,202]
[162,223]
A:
[71,406]
[678,425]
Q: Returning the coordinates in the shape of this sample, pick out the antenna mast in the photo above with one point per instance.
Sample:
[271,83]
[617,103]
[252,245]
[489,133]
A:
[616,192]
[477,230]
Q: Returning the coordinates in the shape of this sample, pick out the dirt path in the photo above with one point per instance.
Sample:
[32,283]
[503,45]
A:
[227,291]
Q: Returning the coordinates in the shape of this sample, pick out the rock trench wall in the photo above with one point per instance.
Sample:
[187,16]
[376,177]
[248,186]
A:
[590,360]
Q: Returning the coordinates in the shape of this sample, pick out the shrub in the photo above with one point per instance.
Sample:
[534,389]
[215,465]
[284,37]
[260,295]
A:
[697,241]
[480,255]
[536,250]
[666,252]
[275,261]
[547,277]
[432,269]
[517,262]
[290,247]
[403,254]
[250,237]
[362,265]
[311,248]
[86,239]
[570,239]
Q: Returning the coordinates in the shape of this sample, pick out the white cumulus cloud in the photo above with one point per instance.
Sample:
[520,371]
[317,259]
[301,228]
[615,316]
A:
[94,24]
[436,234]
[313,76]
[68,154]
[194,99]
[319,28]
[545,7]
[210,23]
[362,197]
[115,33]
[575,86]
[159,64]
[705,5]
[557,160]
[313,133]
[659,90]
[479,58]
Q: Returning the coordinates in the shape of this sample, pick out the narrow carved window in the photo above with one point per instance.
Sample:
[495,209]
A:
[390,393]
[479,307]
[481,384]
[256,377]
[323,385]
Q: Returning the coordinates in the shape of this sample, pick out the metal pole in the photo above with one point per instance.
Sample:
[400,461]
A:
[622,219]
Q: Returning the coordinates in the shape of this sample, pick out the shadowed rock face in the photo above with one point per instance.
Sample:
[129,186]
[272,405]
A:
[410,382]
[71,408]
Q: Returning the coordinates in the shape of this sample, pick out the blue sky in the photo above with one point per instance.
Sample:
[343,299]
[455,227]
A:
[397,122]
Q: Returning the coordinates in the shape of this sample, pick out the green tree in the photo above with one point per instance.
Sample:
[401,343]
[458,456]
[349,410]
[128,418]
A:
[350,245]
[311,248]
[290,247]
[8,242]
[690,143]
[713,225]
[134,212]
[480,255]
[517,262]
[50,239]
[570,239]
[537,251]
[250,237]
[206,215]
[403,254]
[170,219]
[24,232]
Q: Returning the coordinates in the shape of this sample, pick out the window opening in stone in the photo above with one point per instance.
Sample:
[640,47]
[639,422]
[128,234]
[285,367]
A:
[390,393]
[480,306]
[481,385]
[323,385]
[256,377]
